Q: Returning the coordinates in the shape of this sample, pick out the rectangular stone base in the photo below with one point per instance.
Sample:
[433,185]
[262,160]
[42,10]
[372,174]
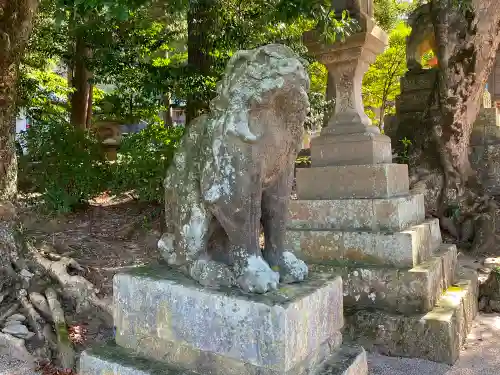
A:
[162,315]
[436,336]
[351,149]
[377,215]
[407,248]
[111,359]
[395,290]
[352,181]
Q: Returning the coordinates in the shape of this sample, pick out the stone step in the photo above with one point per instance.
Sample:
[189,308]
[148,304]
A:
[163,315]
[406,248]
[436,336]
[112,359]
[396,290]
[348,360]
[376,215]
[352,181]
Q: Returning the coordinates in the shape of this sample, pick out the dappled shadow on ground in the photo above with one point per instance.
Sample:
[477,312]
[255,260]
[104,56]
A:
[109,236]
[480,355]
[105,238]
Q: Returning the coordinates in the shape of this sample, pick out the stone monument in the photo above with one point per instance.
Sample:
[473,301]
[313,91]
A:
[198,314]
[355,216]
[485,149]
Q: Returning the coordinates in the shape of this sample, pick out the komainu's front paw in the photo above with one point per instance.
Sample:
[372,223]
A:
[291,268]
[257,276]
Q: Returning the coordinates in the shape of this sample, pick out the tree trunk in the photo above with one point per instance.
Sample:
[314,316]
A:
[16,22]
[467,42]
[81,84]
[88,119]
[202,23]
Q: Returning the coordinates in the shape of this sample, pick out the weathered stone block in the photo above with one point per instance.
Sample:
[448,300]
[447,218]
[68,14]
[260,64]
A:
[406,248]
[351,149]
[485,160]
[487,117]
[485,135]
[396,290]
[449,259]
[416,101]
[437,336]
[353,181]
[165,316]
[112,359]
[346,361]
[385,214]
[418,80]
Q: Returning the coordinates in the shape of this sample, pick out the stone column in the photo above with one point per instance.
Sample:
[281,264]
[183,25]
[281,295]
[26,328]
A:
[349,138]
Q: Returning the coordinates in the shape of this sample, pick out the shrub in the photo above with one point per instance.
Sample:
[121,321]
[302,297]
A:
[66,164]
[143,160]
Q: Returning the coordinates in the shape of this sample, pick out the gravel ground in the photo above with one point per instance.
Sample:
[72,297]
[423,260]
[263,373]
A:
[10,366]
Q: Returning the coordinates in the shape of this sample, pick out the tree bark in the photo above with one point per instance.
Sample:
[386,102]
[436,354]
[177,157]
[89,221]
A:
[465,63]
[16,22]
[466,44]
[81,84]
[202,23]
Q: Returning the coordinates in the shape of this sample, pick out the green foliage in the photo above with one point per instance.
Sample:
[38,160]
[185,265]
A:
[388,13]
[303,161]
[320,107]
[42,92]
[403,158]
[143,160]
[67,166]
[381,82]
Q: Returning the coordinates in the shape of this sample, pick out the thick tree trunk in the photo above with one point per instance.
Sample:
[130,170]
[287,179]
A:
[202,22]
[81,85]
[466,50]
[16,20]
[467,42]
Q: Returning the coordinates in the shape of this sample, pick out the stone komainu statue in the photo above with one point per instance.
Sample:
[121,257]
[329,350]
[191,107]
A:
[421,38]
[233,171]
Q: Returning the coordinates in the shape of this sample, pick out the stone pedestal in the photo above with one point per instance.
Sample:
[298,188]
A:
[166,323]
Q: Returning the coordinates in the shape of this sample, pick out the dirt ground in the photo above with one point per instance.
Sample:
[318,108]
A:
[110,236]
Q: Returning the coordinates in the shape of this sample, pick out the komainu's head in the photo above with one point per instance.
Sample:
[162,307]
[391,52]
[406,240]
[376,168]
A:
[254,76]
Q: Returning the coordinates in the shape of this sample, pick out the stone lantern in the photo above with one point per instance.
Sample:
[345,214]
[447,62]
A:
[349,137]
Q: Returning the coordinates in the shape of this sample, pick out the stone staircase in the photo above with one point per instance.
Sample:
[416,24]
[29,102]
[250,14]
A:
[403,293]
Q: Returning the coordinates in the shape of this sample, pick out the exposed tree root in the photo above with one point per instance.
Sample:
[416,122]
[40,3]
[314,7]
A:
[468,219]
[75,287]
[65,352]
[45,331]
